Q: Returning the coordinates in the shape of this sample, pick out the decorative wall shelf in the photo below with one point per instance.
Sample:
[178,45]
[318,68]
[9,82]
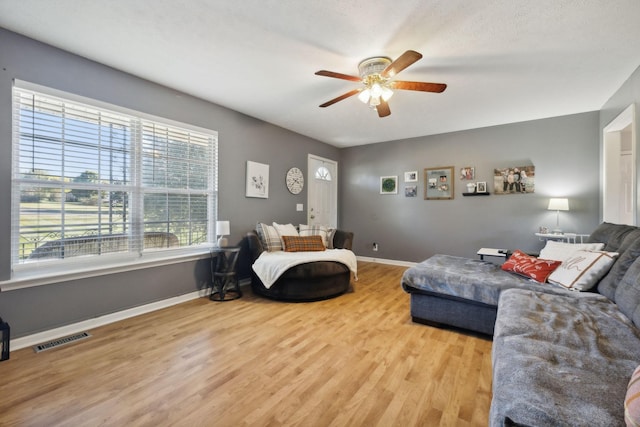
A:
[476,194]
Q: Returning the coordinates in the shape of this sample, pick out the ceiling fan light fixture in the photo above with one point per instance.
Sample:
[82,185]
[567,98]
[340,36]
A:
[364,96]
[386,93]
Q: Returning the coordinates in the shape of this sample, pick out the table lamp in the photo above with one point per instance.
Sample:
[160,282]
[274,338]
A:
[558,204]
[222,229]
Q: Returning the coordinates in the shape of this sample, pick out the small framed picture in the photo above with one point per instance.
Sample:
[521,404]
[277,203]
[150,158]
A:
[467,173]
[438,183]
[389,184]
[411,191]
[481,187]
[411,176]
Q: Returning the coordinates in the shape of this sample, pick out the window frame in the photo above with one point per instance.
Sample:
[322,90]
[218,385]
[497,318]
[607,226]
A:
[37,273]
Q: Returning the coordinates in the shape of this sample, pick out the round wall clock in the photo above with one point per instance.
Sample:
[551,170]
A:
[295,180]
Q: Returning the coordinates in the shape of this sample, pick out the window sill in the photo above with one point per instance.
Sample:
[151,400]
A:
[45,276]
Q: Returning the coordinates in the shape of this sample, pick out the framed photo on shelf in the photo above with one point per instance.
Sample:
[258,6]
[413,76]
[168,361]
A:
[257,180]
[481,187]
[389,184]
[439,183]
[411,176]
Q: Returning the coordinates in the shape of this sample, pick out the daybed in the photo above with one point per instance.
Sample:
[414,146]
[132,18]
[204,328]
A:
[307,279]
[560,357]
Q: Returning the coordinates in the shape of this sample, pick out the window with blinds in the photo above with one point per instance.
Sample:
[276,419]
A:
[92,182]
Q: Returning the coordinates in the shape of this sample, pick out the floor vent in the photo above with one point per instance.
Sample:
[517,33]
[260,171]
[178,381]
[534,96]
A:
[60,342]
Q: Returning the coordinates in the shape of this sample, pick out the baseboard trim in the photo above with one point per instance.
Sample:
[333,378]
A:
[386,261]
[74,328]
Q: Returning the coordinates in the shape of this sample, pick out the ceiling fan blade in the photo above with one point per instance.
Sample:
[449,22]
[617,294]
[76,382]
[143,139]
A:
[402,62]
[340,98]
[421,86]
[383,109]
[337,75]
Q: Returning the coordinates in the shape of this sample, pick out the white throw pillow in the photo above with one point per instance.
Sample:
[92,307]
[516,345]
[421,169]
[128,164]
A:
[559,251]
[582,270]
[285,230]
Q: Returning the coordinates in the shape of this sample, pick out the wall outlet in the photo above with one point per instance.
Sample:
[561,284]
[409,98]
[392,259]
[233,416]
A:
[299,207]
[375,247]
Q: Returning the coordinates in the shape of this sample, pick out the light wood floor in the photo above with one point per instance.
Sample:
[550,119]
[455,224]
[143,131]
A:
[356,360]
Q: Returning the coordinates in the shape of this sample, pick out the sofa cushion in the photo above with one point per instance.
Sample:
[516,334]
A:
[627,295]
[612,235]
[559,251]
[629,252]
[303,243]
[632,400]
[582,270]
[561,360]
[537,269]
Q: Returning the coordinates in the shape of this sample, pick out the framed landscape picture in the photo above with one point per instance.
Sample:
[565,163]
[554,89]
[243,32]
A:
[389,184]
[439,183]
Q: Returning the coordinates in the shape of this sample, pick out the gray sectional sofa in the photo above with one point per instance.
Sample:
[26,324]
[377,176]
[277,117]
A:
[560,357]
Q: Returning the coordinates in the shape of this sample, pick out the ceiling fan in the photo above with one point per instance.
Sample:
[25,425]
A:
[376,75]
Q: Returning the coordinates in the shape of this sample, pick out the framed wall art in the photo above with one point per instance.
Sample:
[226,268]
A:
[514,180]
[257,180]
[411,176]
[411,191]
[439,183]
[389,184]
[481,187]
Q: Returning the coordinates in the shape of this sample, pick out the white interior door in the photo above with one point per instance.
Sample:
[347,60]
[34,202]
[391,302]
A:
[619,173]
[322,193]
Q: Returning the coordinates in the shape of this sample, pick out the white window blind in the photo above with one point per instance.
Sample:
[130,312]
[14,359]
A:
[90,182]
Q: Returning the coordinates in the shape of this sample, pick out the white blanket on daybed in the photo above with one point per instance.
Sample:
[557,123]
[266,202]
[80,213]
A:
[271,265]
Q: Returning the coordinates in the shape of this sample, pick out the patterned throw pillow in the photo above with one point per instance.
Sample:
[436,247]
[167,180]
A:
[582,270]
[269,237]
[316,230]
[302,243]
[535,268]
[632,400]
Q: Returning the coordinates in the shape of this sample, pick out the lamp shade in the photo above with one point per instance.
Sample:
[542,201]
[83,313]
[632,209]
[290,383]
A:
[222,228]
[560,204]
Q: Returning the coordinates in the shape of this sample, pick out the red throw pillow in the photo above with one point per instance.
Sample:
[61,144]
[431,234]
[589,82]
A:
[529,266]
[303,243]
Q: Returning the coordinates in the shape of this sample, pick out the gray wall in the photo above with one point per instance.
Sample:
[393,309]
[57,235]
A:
[241,138]
[564,151]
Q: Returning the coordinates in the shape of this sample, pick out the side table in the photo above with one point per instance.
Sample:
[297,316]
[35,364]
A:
[502,253]
[224,282]
[567,237]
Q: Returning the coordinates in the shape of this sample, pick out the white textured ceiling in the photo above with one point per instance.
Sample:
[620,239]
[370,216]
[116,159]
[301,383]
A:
[504,61]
